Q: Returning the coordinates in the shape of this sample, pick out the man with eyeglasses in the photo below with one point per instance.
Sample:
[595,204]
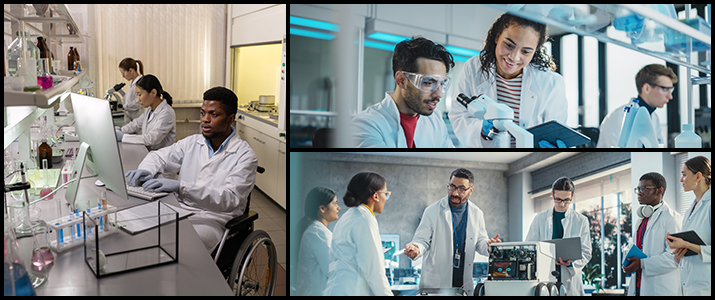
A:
[658,274]
[655,84]
[408,117]
[560,222]
[450,231]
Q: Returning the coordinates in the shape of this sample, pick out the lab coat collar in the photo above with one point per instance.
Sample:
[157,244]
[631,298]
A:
[159,108]
[642,102]
[134,82]
[653,218]
[232,145]
[391,106]
[706,197]
[566,222]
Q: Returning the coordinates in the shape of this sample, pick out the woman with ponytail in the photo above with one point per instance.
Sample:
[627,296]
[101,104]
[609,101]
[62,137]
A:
[357,263]
[157,124]
[695,260]
[131,70]
[321,208]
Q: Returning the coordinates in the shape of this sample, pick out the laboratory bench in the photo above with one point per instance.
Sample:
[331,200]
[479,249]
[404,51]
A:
[194,274]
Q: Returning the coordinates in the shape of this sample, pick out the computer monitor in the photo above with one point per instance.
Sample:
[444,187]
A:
[98,146]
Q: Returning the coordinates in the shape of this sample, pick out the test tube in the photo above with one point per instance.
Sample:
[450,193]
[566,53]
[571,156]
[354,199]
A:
[79,227]
[103,220]
[89,211]
[72,233]
[60,235]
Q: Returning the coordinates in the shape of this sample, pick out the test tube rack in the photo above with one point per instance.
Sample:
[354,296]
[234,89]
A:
[62,228]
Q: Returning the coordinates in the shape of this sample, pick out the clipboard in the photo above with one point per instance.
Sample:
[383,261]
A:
[553,130]
[691,237]
[567,249]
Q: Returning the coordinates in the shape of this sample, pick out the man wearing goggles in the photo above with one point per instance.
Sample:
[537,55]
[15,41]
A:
[655,83]
[408,117]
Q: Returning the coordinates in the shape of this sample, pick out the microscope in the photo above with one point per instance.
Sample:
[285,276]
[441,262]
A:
[117,103]
[500,114]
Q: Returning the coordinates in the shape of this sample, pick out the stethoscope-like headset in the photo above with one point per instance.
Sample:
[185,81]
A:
[646,211]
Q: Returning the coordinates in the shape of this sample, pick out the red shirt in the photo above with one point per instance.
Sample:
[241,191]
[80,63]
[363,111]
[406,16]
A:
[640,235]
[408,125]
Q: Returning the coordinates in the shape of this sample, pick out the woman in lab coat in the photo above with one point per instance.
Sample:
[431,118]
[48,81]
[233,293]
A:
[695,271]
[512,69]
[357,262]
[573,224]
[157,124]
[321,208]
[128,68]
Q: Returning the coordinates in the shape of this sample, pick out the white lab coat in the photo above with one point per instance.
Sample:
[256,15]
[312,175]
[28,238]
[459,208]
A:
[435,238]
[357,263]
[379,127]
[543,98]
[132,108]
[158,130]
[660,275]
[214,189]
[610,129]
[313,260]
[695,272]
[575,225]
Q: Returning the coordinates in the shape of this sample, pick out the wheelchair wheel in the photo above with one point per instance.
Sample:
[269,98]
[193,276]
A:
[254,269]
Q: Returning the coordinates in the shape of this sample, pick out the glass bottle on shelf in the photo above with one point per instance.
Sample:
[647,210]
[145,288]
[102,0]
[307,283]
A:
[44,152]
[70,59]
[44,79]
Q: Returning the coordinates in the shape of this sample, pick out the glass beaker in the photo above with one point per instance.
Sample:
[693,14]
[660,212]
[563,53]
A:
[41,254]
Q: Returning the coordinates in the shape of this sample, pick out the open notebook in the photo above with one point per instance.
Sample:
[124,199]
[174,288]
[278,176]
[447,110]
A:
[138,219]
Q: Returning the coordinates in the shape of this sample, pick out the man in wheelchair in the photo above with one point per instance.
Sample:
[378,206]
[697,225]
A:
[217,169]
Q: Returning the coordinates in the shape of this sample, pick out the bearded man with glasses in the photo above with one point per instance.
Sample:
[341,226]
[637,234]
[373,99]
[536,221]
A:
[450,231]
[408,117]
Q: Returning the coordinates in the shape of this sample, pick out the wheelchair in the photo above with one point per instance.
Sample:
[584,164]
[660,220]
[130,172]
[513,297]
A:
[247,258]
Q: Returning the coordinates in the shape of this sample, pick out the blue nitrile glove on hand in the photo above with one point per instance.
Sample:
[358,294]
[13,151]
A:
[546,144]
[120,134]
[487,125]
[162,185]
[136,177]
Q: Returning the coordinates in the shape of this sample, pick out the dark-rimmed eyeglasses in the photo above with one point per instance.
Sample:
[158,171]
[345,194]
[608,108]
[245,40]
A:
[641,189]
[451,188]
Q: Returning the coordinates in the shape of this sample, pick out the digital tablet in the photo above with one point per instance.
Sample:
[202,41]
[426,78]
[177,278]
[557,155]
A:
[692,237]
[553,130]
[568,248]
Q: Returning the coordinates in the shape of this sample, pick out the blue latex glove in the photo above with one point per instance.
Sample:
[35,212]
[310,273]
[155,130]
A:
[120,134]
[162,185]
[136,177]
[546,144]
[486,126]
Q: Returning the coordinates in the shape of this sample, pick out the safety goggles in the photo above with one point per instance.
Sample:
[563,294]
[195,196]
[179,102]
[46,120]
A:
[428,83]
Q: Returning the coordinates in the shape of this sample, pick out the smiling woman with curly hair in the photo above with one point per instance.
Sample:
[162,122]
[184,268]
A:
[515,69]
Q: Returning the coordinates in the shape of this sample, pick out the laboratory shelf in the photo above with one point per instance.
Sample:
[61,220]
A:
[43,99]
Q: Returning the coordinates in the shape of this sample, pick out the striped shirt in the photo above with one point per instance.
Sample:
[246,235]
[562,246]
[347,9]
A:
[509,93]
